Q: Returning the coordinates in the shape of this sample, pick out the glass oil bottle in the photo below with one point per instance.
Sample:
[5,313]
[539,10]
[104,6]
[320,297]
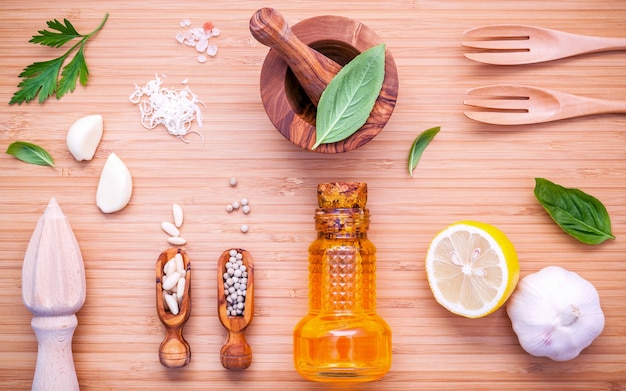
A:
[342,339]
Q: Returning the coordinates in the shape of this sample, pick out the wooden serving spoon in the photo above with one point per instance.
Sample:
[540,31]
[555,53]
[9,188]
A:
[174,351]
[510,104]
[514,44]
[236,353]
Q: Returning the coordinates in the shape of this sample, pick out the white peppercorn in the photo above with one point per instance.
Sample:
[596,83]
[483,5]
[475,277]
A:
[235,284]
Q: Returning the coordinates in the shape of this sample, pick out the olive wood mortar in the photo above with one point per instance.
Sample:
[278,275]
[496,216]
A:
[236,352]
[174,351]
[300,64]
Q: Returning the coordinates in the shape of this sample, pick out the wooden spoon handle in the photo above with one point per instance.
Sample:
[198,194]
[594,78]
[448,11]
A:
[312,69]
[236,353]
[581,44]
[174,351]
[55,363]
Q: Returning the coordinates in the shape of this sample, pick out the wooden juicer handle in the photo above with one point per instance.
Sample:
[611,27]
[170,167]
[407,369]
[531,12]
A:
[236,352]
[313,70]
[53,290]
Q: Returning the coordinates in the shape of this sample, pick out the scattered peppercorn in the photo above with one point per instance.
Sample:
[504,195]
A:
[235,284]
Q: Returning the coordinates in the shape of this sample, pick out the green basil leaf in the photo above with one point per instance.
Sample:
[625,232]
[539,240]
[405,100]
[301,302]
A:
[347,101]
[30,153]
[579,214]
[419,145]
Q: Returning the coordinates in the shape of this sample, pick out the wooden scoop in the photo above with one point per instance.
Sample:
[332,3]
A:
[236,353]
[312,69]
[174,351]
[53,289]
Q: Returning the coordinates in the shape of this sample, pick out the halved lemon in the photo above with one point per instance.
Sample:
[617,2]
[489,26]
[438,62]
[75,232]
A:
[472,268]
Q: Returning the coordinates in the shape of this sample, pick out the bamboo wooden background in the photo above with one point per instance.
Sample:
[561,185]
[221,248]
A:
[470,171]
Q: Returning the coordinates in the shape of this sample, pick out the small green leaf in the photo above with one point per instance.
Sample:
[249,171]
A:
[30,153]
[66,32]
[347,101]
[419,145]
[38,78]
[579,214]
[75,69]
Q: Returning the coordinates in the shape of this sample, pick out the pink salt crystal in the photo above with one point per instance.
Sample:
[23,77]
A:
[211,50]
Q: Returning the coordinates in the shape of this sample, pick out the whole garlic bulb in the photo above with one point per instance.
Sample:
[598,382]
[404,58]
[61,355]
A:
[555,313]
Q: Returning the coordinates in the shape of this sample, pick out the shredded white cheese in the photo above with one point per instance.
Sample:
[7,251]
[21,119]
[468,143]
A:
[175,109]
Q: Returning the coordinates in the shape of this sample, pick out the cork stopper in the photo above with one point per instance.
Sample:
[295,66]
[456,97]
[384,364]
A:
[342,195]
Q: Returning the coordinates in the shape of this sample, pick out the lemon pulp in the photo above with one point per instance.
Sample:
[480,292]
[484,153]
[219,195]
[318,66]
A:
[472,268]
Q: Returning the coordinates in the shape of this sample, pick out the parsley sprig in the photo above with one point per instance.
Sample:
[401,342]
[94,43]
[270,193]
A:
[42,78]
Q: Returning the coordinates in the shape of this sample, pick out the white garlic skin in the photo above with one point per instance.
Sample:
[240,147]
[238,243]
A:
[555,313]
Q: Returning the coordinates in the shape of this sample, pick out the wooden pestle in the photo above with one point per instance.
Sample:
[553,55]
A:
[53,289]
[174,351]
[236,352]
[312,69]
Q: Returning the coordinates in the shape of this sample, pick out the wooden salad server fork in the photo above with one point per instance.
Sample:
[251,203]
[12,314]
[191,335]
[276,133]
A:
[510,44]
[236,352]
[53,290]
[520,105]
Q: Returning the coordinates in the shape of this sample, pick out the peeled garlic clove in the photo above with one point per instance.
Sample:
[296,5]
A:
[84,136]
[115,186]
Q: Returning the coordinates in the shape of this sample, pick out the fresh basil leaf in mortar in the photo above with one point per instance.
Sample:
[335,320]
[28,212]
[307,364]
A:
[347,101]
[30,153]
[579,214]
[419,145]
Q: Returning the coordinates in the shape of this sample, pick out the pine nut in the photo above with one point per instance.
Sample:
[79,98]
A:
[172,304]
[180,265]
[176,240]
[177,212]
[170,228]
[170,267]
[180,288]
[170,281]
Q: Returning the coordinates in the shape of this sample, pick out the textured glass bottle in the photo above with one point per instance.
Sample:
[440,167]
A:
[342,338]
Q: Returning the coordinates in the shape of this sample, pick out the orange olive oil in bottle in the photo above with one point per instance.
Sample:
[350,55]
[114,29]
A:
[342,338]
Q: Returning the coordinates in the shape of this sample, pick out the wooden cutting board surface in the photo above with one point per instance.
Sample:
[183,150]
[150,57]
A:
[470,171]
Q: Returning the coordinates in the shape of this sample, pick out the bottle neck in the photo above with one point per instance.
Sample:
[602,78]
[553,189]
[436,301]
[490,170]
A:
[342,222]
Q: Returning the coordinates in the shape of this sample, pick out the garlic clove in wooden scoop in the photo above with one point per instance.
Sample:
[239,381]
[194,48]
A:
[115,187]
[555,313]
[84,136]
